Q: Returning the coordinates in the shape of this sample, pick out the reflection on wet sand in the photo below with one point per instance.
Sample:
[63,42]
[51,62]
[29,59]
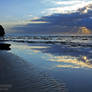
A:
[79,60]
[61,55]
[66,66]
[71,62]
[64,57]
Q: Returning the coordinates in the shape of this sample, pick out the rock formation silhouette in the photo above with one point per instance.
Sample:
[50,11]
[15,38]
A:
[3,46]
[2,32]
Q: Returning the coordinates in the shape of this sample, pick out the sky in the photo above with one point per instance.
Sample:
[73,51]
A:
[21,11]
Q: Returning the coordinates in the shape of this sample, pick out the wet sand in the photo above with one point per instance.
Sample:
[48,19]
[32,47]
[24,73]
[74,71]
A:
[70,66]
[17,75]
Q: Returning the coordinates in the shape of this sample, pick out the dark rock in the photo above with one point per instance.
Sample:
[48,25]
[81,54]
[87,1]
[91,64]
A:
[5,46]
[2,32]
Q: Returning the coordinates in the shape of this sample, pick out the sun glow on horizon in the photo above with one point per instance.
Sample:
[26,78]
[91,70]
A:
[84,30]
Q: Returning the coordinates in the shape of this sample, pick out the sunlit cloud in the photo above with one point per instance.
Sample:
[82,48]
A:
[84,30]
[66,6]
[72,2]
[38,22]
[68,2]
[35,18]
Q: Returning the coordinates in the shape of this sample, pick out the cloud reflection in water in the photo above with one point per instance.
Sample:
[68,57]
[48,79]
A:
[60,57]
[70,62]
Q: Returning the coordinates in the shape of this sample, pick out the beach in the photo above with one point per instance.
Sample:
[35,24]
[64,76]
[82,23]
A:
[46,46]
[46,67]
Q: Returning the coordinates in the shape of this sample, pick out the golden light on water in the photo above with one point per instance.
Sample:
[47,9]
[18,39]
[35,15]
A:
[31,47]
[38,47]
[67,66]
[61,61]
[72,62]
[84,57]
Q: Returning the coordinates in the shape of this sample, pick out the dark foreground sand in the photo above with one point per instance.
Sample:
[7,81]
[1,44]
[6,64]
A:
[17,75]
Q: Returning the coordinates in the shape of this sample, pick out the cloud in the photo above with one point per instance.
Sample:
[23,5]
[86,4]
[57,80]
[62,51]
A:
[38,22]
[35,18]
[30,15]
[66,6]
[70,23]
[68,2]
